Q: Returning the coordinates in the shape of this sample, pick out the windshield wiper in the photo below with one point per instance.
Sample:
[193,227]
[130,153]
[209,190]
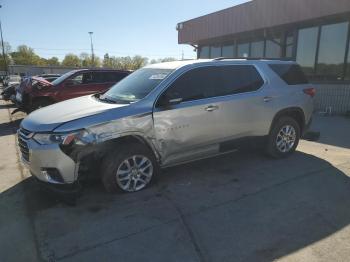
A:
[107,100]
[104,99]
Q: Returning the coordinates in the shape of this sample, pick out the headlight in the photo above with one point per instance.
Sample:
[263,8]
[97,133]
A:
[81,137]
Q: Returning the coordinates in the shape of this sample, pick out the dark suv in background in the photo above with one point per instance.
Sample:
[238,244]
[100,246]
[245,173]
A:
[36,92]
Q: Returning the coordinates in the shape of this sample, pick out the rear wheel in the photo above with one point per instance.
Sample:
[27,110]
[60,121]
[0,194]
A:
[284,138]
[131,168]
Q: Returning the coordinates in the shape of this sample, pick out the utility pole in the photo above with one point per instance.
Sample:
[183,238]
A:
[183,55]
[92,49]
[3,47]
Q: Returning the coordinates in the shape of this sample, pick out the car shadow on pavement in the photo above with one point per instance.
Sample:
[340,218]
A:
[7,106]
[238,207]
[9,128]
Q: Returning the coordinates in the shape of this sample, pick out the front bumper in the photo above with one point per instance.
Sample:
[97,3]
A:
[42,159]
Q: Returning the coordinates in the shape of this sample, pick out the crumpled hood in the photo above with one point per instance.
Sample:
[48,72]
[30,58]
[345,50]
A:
[49,118]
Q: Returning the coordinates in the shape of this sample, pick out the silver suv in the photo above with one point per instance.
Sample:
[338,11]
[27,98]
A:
[164,115]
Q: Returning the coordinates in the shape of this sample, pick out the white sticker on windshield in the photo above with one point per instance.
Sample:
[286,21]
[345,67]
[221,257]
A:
[158,77]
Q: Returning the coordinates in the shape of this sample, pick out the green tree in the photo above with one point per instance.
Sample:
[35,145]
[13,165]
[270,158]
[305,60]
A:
[127,62]
[107,61]
[162,60]
[53,61]
[86,60]
[8,58]
[71,60]
[25,55]
[138,62]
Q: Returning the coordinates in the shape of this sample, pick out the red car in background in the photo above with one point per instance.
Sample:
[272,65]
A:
[36,92]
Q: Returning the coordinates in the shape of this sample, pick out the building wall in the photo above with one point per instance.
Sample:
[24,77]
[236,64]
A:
[332,98]
[255,15]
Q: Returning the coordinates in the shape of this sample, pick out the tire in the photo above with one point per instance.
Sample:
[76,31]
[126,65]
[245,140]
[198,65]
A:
[283,138]
[130,179]
[40,103]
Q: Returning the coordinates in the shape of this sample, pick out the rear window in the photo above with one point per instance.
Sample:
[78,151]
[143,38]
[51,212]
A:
[291,74]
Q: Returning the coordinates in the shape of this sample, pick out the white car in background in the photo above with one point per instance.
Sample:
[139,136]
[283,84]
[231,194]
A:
[12,80]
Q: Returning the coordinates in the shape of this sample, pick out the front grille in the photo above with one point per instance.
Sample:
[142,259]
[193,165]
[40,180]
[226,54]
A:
[23,136]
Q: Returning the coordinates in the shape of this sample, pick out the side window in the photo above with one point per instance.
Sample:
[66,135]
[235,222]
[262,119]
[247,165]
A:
[107,77]
[99,77]
[196,84]
[80,79]
[75,80]
[88,78]
[116,77]
[235,79]
[291,74]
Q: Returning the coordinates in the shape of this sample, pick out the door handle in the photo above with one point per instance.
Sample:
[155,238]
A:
[267,99]
[211,108]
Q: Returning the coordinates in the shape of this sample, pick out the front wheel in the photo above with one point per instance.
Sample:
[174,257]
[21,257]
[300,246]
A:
[130,168]
[284,138]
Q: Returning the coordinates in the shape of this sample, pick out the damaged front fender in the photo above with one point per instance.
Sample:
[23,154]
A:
[105,138]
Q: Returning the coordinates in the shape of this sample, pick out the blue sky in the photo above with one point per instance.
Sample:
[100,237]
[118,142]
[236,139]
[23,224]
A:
[121,28]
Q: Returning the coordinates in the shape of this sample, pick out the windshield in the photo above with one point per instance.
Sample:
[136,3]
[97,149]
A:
[63,77]
[137,85]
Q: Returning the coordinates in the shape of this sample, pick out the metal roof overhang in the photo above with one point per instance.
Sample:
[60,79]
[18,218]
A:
[258,15]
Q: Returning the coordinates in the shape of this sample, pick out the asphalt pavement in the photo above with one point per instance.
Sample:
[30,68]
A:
[239,207]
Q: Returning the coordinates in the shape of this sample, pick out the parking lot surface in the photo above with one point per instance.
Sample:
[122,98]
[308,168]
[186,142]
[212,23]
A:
[238,207]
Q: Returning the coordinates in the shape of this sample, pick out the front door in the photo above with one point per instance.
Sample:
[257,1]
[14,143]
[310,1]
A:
[188,129]
[81,84]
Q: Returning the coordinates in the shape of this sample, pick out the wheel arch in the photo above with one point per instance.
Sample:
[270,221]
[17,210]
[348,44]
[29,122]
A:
[90,158]
[132,138]
[294,112]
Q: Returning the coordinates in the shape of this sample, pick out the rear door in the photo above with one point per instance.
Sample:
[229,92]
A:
[77,85]
[244,103]
[84,83]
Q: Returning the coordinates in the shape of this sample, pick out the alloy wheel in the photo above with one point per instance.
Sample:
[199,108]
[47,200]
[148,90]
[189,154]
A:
[134,173]
[286,138]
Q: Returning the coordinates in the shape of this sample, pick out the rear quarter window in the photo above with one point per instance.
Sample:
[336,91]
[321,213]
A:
[235,79]
[290,73]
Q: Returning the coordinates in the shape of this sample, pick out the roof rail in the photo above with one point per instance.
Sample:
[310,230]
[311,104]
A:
[253,58]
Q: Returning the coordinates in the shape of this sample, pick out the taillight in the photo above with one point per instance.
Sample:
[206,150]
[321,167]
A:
[310,91]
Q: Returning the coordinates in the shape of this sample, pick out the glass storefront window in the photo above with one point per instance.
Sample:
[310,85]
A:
[215,51]
[273,48]
[204,52]
[243,50]
[228,51]
[332,51]
[257,49]
[347,75]
[289,46]
[306,50]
